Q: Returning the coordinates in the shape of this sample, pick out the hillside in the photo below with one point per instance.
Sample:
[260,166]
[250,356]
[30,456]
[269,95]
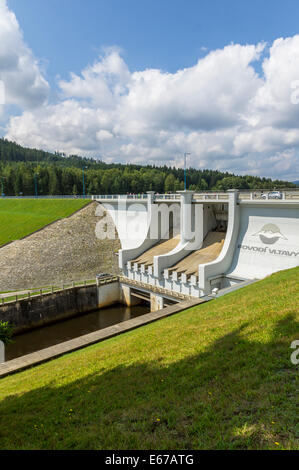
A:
[67,250]
[21,169]
[20,217]
[217,376]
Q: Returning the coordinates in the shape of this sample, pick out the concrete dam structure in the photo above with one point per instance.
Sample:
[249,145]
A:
[194,244]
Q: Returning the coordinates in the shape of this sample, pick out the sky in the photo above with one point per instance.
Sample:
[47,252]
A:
[143,81]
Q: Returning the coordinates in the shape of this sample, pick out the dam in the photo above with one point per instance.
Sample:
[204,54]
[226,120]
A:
[177,251]
[200,244]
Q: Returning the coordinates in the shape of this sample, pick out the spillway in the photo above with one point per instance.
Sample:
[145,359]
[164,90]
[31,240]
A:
[223,238]
[161,248]
[210,250]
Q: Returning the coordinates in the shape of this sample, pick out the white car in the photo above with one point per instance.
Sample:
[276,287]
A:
[102,276]
[272,195]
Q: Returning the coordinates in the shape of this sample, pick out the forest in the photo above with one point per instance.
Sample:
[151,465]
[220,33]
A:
[26,172]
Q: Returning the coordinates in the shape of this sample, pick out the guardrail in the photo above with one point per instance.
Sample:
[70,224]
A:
[289,195]
[268,196]
[159,197]
[211,197]
[7,297]
[47,197]
[110,197]
[167,197]
[154,289]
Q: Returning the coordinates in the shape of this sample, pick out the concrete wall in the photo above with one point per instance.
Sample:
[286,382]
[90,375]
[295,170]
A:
[157,302]
[156,227]
[209,220]
[261,239]
[140,224]
[268,241]
[38,311]
[27,314]
[191,234]
[222,264]
[126,297]
[131,219]
[135,225]
[108,294]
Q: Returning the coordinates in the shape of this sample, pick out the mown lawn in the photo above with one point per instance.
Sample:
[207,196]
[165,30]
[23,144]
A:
[20,217]
[217,376]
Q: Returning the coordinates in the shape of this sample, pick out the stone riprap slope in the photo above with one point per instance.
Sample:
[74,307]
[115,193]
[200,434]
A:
[67,250]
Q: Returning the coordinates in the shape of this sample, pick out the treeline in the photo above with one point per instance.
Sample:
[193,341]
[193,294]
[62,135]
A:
[23,171]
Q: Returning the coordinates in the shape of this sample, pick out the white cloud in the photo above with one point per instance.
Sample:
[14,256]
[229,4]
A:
[102,83]
[25,86]
[221,110]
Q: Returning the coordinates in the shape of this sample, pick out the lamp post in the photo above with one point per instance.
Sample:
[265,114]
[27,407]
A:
[185,171]
[84,168]
[2,186]
[35,185]
[35,178]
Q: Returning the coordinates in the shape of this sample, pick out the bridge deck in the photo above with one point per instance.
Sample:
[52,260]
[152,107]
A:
[290,196]
[161,248]
[210,250]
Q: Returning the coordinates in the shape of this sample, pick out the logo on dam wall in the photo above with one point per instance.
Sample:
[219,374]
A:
[269,234]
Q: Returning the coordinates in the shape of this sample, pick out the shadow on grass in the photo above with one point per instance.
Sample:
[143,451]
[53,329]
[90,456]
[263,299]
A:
[237,394]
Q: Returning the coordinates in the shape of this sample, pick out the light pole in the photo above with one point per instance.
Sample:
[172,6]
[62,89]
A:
[2,186]
[35,178]
[84,168]
[185,171]
[35,185]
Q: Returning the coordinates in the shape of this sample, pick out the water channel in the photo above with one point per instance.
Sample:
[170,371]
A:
[71,328]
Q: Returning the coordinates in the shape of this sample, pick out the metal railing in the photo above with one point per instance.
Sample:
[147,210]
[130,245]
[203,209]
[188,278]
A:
[285,195]
[154,289]
[167,197]
[214,196]
[114,197]
[291,195]
[16,296]
[79,196]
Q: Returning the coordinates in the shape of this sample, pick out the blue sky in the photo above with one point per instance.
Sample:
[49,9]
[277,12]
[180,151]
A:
[165,34]
[145,81]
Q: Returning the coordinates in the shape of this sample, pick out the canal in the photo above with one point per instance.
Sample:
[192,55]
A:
[71,328]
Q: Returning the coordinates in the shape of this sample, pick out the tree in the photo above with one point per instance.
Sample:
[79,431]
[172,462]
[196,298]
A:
[169,183]
[53,182]
[59,174]
[5,332]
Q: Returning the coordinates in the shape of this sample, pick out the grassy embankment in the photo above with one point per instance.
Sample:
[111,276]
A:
[216,376]
[20,217]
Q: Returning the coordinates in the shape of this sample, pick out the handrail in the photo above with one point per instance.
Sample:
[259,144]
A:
[17,296]
[155,289]
[119,196]
[289,195]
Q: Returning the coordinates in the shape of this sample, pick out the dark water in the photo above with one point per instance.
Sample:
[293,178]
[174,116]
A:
[47,336]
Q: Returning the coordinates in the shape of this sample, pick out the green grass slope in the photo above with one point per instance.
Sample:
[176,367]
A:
[217,376]
[20,217]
